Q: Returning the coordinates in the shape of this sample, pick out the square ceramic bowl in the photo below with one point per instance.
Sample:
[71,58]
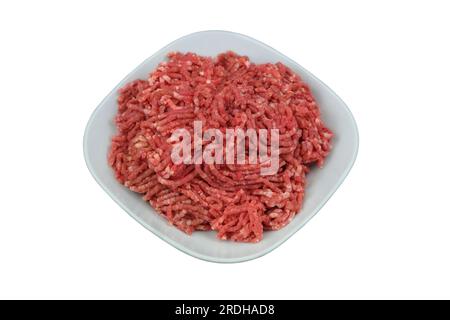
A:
[322,183]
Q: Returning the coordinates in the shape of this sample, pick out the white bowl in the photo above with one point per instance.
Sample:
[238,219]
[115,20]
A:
[321,183]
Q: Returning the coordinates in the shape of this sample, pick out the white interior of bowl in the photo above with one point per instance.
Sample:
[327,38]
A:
[322,183]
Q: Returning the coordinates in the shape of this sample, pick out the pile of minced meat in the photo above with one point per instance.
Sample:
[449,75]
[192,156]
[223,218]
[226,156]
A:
[227,91]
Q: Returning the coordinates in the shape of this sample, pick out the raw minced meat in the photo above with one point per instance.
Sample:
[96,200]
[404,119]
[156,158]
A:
[223,92]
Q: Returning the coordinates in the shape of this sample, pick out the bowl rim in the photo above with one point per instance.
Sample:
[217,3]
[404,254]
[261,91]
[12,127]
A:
[174,243]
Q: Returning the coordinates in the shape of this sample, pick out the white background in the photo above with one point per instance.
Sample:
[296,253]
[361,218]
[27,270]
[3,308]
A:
[384,234]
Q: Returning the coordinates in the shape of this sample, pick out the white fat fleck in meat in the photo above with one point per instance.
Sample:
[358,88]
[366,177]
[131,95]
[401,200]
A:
[166,78]
[176,95]
[267,193]
[167,172]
